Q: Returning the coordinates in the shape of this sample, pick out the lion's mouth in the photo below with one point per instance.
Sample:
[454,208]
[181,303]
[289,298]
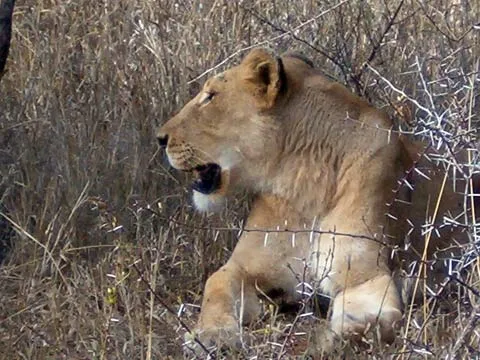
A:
[207,178]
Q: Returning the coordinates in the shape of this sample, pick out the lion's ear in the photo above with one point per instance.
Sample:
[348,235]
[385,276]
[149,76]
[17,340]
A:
[265,77]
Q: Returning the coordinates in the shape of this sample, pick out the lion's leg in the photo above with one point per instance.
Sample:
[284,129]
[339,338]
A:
[376,302]
[263,263]
[354,270]
[229,301]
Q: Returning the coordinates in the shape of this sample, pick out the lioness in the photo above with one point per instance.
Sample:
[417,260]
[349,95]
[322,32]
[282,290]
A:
[326,166]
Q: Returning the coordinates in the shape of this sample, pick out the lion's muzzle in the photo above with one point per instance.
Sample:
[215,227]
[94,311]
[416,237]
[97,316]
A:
[208,177]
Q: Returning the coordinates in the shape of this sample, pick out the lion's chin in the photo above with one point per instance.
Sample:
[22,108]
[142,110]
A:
[208,202]
[210,189]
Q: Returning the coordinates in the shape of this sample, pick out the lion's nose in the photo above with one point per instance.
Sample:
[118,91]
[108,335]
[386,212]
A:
[163,140]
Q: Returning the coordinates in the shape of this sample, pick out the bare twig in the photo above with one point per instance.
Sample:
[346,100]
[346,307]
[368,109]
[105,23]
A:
[265,42]
[378,44]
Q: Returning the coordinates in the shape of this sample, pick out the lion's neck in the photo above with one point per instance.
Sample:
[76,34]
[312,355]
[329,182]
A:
[311,156]
[307,186]
[316,155]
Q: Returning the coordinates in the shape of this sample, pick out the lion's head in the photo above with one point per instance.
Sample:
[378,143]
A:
[231,126]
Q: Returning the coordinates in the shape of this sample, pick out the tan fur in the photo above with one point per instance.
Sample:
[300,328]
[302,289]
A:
[318,157]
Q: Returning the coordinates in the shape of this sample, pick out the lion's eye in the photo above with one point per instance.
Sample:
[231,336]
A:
[207,97]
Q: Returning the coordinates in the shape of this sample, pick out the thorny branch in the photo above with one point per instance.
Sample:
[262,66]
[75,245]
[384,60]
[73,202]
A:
[277,230]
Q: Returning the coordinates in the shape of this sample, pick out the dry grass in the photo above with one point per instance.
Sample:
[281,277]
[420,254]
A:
[95,208]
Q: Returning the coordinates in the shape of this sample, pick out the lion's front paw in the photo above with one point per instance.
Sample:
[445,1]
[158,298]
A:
[204,341]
